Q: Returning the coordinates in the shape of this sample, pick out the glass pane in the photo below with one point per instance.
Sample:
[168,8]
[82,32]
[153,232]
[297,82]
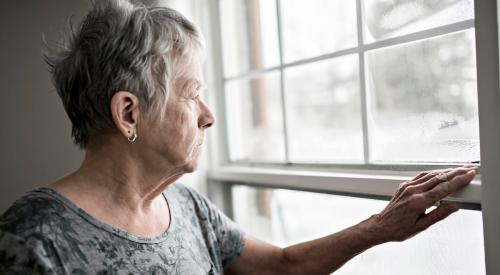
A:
[317,27]
[323,109]
[424,101]
[284,217]
[255,119]
[249,35]
[390,18]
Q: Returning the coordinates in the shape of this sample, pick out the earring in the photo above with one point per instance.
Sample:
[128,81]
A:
[132,138]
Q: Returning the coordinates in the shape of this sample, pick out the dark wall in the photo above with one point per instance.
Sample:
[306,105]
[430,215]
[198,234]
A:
[35,142]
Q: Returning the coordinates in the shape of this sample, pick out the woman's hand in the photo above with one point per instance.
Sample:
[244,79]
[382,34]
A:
[405,215]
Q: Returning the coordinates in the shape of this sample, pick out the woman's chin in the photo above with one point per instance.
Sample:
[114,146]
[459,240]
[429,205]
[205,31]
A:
[191,164]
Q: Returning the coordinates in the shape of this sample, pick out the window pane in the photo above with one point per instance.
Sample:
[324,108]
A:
[424,101]
[390,18]
[323,109]
[255,119]
[249,35]
[317,27]
[285,217]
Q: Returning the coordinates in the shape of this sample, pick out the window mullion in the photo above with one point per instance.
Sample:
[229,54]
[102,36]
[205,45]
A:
[362,84]
[221,144]
[282,82]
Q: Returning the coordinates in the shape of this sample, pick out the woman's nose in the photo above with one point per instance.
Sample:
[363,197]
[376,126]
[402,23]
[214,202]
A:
[206,118]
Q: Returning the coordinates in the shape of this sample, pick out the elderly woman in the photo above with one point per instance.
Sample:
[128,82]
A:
[130,79]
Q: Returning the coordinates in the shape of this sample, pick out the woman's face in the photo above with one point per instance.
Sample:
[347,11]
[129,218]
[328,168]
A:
[179,137]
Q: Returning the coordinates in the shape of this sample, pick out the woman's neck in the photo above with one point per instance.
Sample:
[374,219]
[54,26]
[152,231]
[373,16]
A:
[119,188]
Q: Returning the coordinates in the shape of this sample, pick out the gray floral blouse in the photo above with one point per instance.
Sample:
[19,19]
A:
[44,233]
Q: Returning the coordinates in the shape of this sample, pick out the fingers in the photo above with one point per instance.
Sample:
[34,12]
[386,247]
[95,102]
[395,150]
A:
[432,175]
[421,175]
[438,214]
[427,180]
[420,178]
[441,191]
[427,174]
[442,177]
[431,178]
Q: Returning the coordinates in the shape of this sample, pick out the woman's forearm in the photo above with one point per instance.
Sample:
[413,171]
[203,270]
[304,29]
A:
[327,254]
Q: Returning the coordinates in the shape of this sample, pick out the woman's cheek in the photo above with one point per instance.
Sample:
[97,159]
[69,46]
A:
[188,128]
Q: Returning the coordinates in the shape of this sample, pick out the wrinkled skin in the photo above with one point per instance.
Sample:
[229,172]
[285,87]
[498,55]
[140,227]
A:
[405,215]
[179,138]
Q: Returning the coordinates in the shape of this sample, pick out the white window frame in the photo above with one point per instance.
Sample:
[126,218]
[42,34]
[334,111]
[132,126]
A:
[365,180]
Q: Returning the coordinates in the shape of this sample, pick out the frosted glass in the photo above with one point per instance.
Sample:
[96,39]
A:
[249,35]
[424,101]
[255,120]
[317,27]
[324,111]
[284,217]
[389,18]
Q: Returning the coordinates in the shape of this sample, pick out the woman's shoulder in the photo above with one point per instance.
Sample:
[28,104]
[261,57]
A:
[31,213]
[34,255]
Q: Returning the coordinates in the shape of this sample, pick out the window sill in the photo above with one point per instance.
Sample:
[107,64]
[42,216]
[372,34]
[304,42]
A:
[371,184]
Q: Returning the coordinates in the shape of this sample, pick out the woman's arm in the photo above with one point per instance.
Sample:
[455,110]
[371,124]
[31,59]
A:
[403,218]
[320,256]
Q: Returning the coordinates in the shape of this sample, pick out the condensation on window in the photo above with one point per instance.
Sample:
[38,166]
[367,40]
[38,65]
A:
[390,18]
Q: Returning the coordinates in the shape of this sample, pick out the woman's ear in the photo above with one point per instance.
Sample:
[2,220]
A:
[125,113]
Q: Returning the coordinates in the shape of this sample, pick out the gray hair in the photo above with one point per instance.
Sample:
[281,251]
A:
[120,46]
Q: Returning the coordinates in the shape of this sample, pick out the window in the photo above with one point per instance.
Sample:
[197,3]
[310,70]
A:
[354,97]
[324,82]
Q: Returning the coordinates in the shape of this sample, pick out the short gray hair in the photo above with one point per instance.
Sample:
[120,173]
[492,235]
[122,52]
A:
[120,46]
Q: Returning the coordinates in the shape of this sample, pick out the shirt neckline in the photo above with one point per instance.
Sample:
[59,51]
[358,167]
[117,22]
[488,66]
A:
[112,229]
